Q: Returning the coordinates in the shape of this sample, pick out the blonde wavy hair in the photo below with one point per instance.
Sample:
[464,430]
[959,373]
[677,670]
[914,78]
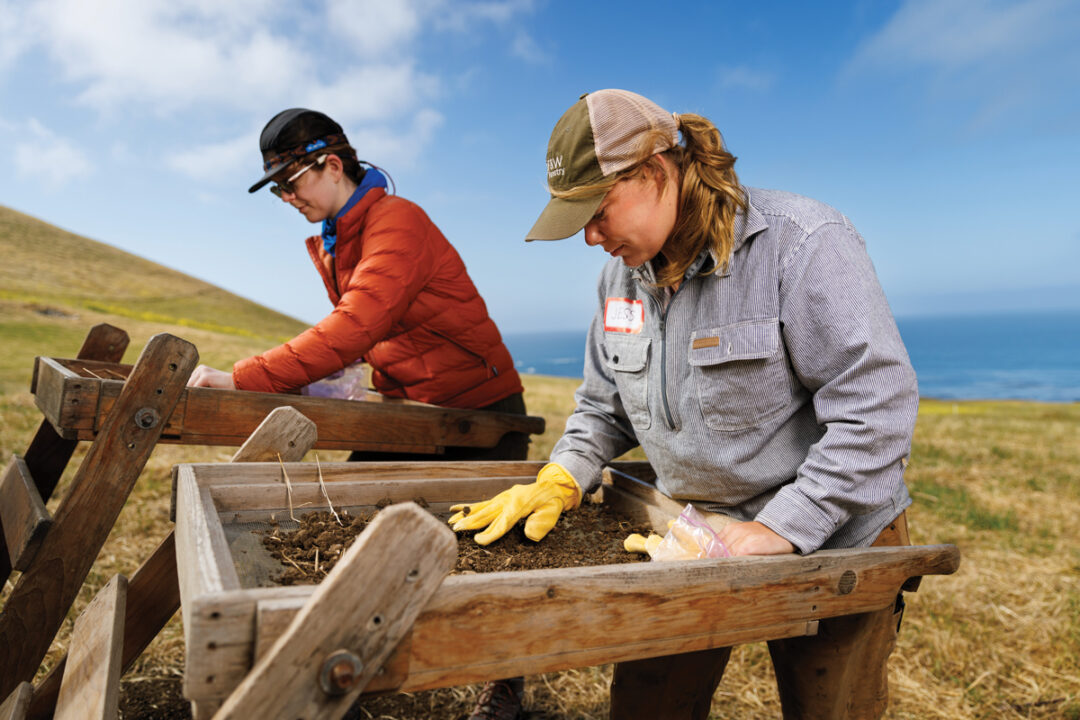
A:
[709,194]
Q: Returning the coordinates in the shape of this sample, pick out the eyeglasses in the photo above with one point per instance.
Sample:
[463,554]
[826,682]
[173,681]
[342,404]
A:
[286,186]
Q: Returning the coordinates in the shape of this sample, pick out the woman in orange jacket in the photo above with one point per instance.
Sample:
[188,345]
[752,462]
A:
[403,301]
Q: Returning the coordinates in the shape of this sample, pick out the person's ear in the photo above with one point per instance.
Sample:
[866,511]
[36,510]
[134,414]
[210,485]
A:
[335,167]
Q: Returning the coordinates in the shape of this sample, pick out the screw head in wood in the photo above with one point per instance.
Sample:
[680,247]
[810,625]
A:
[340,672]
[147,418]
[847,582]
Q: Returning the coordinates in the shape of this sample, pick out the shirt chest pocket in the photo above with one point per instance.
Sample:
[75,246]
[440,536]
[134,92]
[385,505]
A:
[741,376]
[628,361]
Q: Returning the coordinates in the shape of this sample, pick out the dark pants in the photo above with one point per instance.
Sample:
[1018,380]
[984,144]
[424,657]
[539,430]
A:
[838,673]
[512,446]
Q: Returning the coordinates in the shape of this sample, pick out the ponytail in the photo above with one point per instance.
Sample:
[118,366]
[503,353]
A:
[709,199]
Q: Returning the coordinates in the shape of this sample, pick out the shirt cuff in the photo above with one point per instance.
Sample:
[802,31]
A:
[792,516]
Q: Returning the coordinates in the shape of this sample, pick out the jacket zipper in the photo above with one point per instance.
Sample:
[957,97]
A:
[663,353]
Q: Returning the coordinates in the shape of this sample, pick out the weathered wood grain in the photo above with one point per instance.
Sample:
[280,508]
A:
[78,404]
[91,684]
[49,453]
[22,514]
[281,435]
[364,607]
[154,589]
[42,596]
[481,627]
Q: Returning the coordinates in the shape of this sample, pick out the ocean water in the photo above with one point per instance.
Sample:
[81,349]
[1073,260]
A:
[1029,356]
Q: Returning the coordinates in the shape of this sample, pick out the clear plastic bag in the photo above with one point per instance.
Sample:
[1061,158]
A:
[689,538]
[349,383]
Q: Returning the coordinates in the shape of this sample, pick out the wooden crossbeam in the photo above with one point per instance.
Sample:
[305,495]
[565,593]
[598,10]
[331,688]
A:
[22,514]
[43,594]
[49,453]
[353,621]
[154,591]
[90,689]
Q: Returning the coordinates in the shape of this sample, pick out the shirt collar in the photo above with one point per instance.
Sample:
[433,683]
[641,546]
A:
[372,179]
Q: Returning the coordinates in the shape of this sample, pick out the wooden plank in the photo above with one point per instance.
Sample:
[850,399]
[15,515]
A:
[154,589]
[22,514]
[274,497]
[284,429]
[68,401]
[265,473]
[363,608]
[37,605]
[604,614]
[104,342]
[14,707]
[91,684]
[49,453]
[153,597]
[271,623]
[212,416]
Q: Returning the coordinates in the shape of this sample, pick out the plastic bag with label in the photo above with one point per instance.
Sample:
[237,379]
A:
[349,383]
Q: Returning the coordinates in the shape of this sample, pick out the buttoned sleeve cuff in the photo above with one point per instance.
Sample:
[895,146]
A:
[792,516]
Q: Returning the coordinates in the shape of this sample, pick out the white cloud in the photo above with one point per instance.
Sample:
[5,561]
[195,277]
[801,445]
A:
[13,36]
[372,92]
[393,147]
[459,16]
[167,54]
[375,27]
[205,163]
[986,63]
[526,48]
[964,33]
[43,156]
[744,77]
[240,61]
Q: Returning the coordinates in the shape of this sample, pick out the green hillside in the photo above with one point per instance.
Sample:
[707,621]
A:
[47,266]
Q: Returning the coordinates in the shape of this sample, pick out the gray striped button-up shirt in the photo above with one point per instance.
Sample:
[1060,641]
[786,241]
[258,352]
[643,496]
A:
[778,390]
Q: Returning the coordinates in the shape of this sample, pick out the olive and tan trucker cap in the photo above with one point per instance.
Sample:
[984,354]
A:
[598,136]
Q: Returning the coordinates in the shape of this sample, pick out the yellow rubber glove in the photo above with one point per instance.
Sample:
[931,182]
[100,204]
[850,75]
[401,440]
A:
[543,501]
[641,544]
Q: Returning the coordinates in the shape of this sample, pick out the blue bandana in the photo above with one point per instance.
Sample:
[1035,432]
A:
[372,179]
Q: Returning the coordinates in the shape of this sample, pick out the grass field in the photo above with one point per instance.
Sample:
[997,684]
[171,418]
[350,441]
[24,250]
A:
[999,639]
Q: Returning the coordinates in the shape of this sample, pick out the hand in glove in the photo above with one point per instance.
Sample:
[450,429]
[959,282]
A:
[543,501]
[641,544]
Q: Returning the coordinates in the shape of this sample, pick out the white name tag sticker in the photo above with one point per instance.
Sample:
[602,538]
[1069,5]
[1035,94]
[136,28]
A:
[624,315]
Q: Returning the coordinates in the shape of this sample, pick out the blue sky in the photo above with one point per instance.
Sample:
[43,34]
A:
[947,130]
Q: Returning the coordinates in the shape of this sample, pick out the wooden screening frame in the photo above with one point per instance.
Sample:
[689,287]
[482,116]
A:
[76,396]
[487,626]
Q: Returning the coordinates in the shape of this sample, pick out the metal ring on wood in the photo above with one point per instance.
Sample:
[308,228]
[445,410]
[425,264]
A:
[340,672]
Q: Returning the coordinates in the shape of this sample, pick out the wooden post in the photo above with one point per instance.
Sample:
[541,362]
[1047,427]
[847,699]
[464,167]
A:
[154,592]
[41,598]
[49,453]
[353,621]
[91,684]
[285,432]
[25,519]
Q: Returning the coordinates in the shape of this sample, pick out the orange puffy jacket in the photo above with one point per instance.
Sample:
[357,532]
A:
[405,304]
